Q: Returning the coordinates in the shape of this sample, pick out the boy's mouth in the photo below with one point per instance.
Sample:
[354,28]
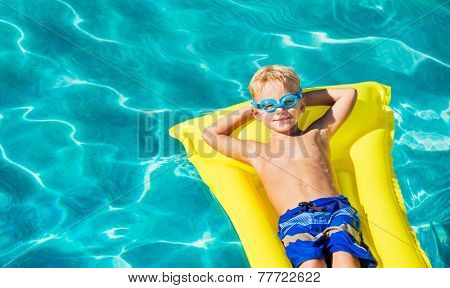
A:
[285,119]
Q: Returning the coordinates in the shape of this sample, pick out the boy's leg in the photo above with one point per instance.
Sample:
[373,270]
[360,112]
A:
[341,259]
[345,241]
[313,263]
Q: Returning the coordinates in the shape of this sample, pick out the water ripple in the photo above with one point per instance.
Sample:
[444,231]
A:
[72,127]
[78,20]
[21,38]
[383,46]
[35,175]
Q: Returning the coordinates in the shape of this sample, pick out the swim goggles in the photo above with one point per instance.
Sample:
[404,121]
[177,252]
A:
[287,101]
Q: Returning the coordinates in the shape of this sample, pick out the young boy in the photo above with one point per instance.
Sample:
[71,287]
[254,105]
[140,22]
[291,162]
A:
[317,225]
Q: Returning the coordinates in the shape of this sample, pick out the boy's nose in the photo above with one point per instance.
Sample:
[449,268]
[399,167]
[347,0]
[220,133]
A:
[279,110]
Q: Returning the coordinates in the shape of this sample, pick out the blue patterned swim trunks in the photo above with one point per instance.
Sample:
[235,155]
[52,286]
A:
[318,228]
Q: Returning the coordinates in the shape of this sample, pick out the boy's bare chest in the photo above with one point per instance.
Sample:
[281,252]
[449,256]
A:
[310,146]
[310,152]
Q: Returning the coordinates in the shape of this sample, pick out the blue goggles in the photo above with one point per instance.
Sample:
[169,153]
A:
[287,101]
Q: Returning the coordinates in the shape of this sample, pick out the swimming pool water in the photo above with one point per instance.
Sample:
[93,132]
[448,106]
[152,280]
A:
[77,76]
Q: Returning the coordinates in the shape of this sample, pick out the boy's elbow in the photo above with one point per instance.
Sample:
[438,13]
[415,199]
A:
[208,135]
[354,96]
[351,92]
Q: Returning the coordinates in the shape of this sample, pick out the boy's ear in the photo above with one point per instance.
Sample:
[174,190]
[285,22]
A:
[256,113]
[302,105]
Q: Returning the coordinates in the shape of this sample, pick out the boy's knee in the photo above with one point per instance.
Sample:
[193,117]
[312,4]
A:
[343,259]
[313,263]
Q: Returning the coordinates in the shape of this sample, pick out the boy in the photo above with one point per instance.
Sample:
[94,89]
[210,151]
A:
[317,225]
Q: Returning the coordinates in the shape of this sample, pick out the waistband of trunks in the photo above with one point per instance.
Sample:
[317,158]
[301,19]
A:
[320,202]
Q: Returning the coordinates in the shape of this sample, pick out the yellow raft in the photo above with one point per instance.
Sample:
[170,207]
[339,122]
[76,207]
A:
[361,156]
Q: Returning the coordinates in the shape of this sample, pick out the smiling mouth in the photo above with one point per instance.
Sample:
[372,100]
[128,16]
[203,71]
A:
[284,119]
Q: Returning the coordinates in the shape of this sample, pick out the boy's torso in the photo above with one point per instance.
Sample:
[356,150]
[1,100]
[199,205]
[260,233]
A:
[296,170]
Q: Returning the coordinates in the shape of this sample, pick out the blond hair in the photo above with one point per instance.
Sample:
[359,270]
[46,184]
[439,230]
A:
[274,73]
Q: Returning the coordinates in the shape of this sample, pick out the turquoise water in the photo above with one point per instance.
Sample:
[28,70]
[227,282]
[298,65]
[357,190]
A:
[76,187]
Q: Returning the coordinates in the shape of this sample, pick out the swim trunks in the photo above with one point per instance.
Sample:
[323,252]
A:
[318,228]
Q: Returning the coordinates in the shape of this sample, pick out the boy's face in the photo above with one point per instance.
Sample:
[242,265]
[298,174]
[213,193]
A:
[281,120]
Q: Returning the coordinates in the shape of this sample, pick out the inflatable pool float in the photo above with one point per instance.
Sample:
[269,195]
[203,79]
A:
[361,156]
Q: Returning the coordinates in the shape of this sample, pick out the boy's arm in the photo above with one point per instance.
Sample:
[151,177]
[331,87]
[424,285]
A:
[342,101]
[218,136]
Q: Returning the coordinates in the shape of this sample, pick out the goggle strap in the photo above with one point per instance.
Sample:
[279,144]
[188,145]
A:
[255,104]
